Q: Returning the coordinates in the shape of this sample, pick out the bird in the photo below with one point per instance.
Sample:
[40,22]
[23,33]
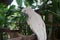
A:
[36,23]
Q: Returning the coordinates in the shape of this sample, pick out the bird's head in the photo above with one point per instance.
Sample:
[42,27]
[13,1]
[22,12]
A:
[26,10]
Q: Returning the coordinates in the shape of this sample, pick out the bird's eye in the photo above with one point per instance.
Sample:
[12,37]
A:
[24,11]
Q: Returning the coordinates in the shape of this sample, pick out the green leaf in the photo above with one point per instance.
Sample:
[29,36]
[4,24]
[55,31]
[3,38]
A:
[33,7]
[26,4]
[12,7]
[55,5]
[44,0]
[36,0]
[29,2]
[19,2]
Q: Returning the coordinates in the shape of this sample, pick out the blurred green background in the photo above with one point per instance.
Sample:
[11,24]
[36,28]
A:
[13,19]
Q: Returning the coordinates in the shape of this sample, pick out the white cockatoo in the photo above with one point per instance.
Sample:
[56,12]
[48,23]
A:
[36,23]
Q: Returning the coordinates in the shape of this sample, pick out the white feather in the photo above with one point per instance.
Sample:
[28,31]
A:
[36,23]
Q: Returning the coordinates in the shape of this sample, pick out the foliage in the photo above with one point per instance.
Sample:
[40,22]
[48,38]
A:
[14,19]
[54,9]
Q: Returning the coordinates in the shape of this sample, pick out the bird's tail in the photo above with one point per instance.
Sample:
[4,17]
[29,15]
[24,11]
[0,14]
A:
[40,37]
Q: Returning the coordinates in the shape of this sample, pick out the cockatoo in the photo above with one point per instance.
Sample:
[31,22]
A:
[36,23]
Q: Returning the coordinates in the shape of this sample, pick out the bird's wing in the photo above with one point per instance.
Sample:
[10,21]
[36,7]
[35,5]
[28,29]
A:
[36,23]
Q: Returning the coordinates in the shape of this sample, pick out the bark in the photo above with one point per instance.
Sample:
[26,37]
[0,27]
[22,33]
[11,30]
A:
[18,36]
